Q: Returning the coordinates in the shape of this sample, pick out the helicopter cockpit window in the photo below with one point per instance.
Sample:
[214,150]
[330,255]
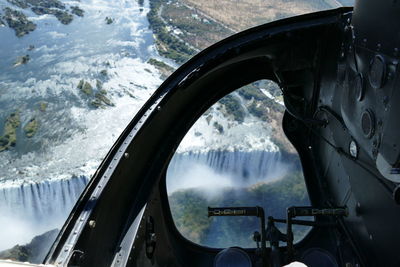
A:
[235,155]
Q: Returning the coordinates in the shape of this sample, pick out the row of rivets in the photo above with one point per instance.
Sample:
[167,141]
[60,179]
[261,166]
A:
[102,182]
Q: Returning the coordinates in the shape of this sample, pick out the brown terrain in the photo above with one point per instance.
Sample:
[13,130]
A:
[242,14]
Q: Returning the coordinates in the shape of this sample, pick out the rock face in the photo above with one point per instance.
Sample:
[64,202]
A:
[22,60]
[34,252]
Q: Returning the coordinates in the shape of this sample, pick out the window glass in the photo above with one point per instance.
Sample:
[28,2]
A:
[235,155]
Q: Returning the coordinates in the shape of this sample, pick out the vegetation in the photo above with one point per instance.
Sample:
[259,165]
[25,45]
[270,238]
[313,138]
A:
[101,100]
[189,210]
[159,64]
[31,128]
[99,84]
[235,14]
[21,25]
[46,3]
[63,16]
[168,45]
[192,26]
[218,127]
[262,109]
[165,69]
[254,100]
[9,137]
[233,107]
[77,11]
[109,20]
[43,106]
[16,253]
[100,97]
[258,110]
[22,60]
[19,3]
[250,92]
[18,22]
[187,25]
[85,87]
[33,252]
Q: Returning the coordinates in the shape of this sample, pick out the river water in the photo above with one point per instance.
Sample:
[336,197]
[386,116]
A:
[73,136]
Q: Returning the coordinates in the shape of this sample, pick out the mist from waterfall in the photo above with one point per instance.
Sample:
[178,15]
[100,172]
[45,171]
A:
[32,209]
[221,169]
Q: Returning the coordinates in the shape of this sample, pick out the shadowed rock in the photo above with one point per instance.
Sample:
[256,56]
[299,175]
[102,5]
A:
[33,252]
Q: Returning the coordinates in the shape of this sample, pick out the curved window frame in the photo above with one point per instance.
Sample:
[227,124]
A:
[165,198]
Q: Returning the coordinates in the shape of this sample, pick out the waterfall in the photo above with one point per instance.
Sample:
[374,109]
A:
[39,201]
[33,208]
[30,209]
[224,168]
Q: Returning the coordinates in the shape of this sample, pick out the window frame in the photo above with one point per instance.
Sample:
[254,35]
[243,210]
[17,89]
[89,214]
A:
[166,204]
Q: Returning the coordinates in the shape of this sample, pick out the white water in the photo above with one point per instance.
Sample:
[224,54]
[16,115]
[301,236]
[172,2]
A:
[221,169]
[63,55]
[38,184]
[31,209]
